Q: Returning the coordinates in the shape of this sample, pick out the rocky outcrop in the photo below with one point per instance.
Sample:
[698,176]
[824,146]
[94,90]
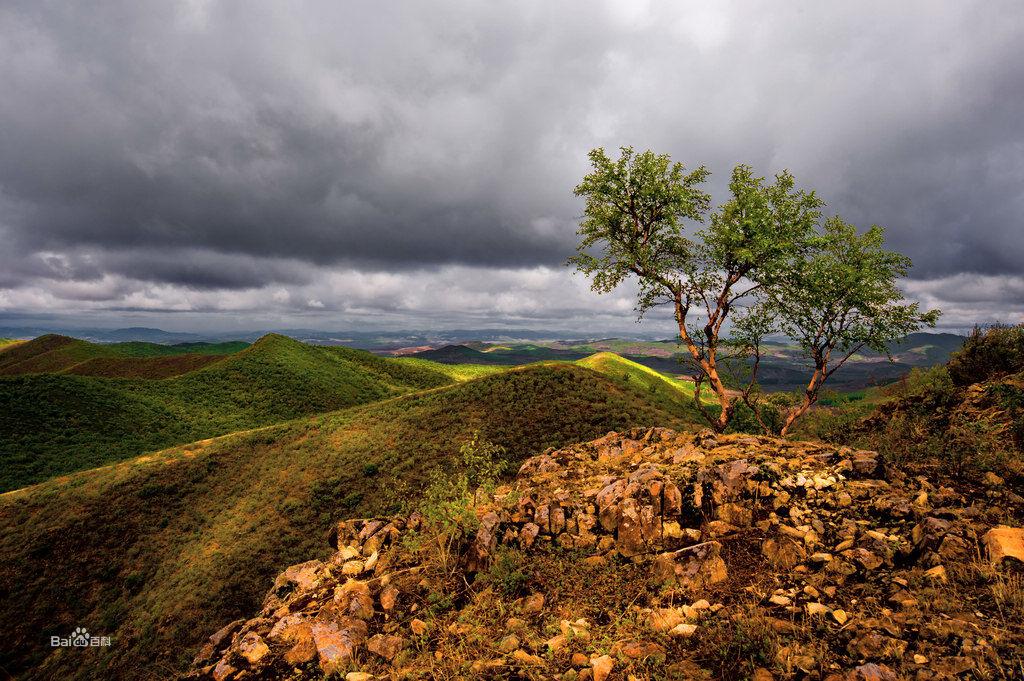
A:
[845,563]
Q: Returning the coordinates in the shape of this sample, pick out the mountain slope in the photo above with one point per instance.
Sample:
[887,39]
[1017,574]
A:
[159,551]
[51,424]
[62,354]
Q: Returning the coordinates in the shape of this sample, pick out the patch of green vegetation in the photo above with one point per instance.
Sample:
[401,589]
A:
[52,424]
[457,372]
[160,551]
[8,342]
[668,392]
[144,349]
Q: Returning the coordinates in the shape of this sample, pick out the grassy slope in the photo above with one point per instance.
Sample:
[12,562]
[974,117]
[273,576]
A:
[61,354]
[162,550]
[668,392]
[457,372]
[51,424]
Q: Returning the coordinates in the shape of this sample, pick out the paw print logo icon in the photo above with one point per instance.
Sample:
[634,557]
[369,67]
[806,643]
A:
[79,637]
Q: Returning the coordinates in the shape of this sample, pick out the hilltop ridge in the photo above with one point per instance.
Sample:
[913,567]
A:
[656,554]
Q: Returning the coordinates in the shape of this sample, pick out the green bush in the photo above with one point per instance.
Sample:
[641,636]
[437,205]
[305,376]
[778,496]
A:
[506,573]
[996,350]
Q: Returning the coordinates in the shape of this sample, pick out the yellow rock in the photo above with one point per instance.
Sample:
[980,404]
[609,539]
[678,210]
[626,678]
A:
[602,667]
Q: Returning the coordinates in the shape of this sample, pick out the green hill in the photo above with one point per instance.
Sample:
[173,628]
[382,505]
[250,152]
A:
[52,424]
[668,392]
[62,354]
[159,551]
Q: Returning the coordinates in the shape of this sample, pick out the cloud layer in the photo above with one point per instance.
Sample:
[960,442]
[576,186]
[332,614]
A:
[415,161]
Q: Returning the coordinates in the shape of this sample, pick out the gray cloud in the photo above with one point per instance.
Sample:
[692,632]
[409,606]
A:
[161,155]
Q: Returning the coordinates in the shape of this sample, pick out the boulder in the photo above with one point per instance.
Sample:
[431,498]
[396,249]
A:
[1003,543]
[694,567]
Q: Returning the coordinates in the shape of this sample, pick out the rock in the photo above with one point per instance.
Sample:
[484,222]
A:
[217,641]
[386,646]
[665,619]
[992,480]
[937,574]
[865,558]
[683,630]
[840,616]
[525,658]
[223,670]
[872,672]
[359,676]
[388,598]
[484,542]
[297,632]
[783,552]
[694,567]
[528,535]
[816,609]
[1003,542]
[533,604]
[252,648]
[353,598]
[336,642]
[602,667]
[353,568]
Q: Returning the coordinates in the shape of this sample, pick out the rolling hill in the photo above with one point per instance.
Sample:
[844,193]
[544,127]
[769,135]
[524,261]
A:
[62,354]
[159,551]
[56,423]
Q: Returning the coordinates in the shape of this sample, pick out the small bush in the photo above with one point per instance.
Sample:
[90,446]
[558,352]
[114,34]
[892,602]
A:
[732,649]
[506,575]
[997,350]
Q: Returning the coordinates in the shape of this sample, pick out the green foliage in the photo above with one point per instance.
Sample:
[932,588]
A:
[734,648]
[997,350]
[634,212]
[507,573]
[764,252]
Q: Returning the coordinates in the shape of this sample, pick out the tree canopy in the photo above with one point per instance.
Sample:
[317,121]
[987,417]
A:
[763,259]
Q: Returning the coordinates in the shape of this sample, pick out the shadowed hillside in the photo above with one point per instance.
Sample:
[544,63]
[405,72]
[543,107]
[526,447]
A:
[51,424]
[160,551]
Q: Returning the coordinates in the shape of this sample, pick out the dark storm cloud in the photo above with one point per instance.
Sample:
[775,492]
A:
[149,149]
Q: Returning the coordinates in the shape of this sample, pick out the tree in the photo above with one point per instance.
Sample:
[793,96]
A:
[633,227]
[839,298]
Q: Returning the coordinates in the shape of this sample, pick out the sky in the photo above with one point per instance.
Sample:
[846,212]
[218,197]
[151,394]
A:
[201,165]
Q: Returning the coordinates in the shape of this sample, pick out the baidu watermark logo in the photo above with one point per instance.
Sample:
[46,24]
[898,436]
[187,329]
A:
[79,638]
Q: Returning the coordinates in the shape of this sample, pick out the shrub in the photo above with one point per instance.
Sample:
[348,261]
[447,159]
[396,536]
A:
[993,351]
[505,574]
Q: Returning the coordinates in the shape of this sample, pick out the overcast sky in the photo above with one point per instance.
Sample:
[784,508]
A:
[201,165]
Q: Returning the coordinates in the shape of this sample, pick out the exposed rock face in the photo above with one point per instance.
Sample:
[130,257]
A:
[784,532]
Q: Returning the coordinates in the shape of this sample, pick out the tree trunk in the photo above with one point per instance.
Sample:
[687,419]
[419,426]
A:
[709,369]
[810,397]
